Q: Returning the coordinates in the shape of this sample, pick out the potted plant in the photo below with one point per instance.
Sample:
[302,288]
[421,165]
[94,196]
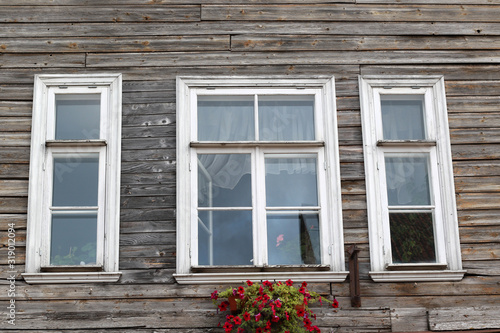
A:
[269,307]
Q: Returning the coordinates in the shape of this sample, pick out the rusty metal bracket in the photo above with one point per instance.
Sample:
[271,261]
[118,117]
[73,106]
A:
[354,287]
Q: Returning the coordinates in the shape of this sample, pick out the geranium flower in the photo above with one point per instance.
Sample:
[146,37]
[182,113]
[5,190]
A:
[246,316]
[237,320]
[304,284]
[228,327]
[335,303]
[302,290]
[289,282]
[223,305]
[300,312]
[241,290]
[249,283]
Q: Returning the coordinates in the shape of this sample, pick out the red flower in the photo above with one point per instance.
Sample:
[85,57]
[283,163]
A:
[240,330]
[268,325]
[215,295]
[237,320]
[289,282]
[300,312]
[278,303]
[302,290]
[249,283]
[241,290]
[307,322]
[258,330]
[261,290]
[267,283]
[275,319]
[287,316]
[228,327]
[223,305]
[257,317]
[335,303]
[304,284]
[246,316]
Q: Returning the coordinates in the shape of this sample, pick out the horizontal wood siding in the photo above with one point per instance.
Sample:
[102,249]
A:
[151,42]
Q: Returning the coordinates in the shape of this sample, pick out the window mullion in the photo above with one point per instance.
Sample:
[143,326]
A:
[260,226]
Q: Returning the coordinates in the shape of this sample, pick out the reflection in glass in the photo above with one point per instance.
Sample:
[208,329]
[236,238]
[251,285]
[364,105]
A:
[293,239]
[402,118]
[226,118]
[73,239]
[75,181]
[407,180]
[291,182]
[225,237]
[286,118]
[224,180]
[412,238]
[77,117]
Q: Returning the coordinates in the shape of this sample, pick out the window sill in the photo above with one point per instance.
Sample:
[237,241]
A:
[417,276]
[239,277]
[71,277]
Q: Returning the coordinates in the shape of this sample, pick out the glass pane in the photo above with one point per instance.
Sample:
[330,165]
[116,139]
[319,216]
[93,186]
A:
[77,117]
[76,179]
[286,118]
[293,239]
[226,118]
[403,118]
[225,238]
[407,180]
[74,239]
[224,180]
[291,182]
[412,238]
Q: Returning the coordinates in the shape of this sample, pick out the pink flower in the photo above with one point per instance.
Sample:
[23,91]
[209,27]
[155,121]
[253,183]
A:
[279,239]
[289,282]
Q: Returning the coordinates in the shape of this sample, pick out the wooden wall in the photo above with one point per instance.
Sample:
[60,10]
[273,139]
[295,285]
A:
[152,41]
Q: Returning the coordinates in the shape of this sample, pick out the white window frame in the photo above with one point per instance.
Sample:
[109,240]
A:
[332,247]
[44,147]
[448,266]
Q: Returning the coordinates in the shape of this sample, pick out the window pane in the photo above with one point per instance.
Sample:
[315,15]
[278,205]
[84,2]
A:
[225,238]
[226,118]
[224,180]
[74,239]
[403,118]
[407,180]
[77,117]
[291,182]
[76,180]
[412,238]
[293,239]
[286,118]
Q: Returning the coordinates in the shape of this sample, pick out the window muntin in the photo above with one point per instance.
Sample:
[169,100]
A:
[73,201]
[410,192]
[276,140]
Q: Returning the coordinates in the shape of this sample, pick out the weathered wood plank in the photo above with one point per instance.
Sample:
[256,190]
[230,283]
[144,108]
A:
[147,178]
[15,155]
[138,109]
[122,13]
[42,60]
[150,167]
[147,190]
[19,221]
[17,30]
[260,42]
[482,268]
[149,120]
[13,188]
[15,124]
[148,155]
[475,152]
[164,201]
[478,200]
[485,251]
[483,234]
[117,44]
[478,217]
[145,238]
[162,59]
[474,88]
[15,139]
[352,170]
[15,109]
[476,168]
[357,12]
[455,73]
[147,226]
[448,319]
[474,120]
[98,3]
[477,184]
[432,2]
[12,205]
[409,319]
[14,171]
[474,135]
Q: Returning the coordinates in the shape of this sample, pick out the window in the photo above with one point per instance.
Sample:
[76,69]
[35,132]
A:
[409,180]
[258,184]
[73,204]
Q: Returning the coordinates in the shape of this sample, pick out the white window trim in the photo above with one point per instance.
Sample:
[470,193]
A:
[185,128]
[110,85]
[446,225]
